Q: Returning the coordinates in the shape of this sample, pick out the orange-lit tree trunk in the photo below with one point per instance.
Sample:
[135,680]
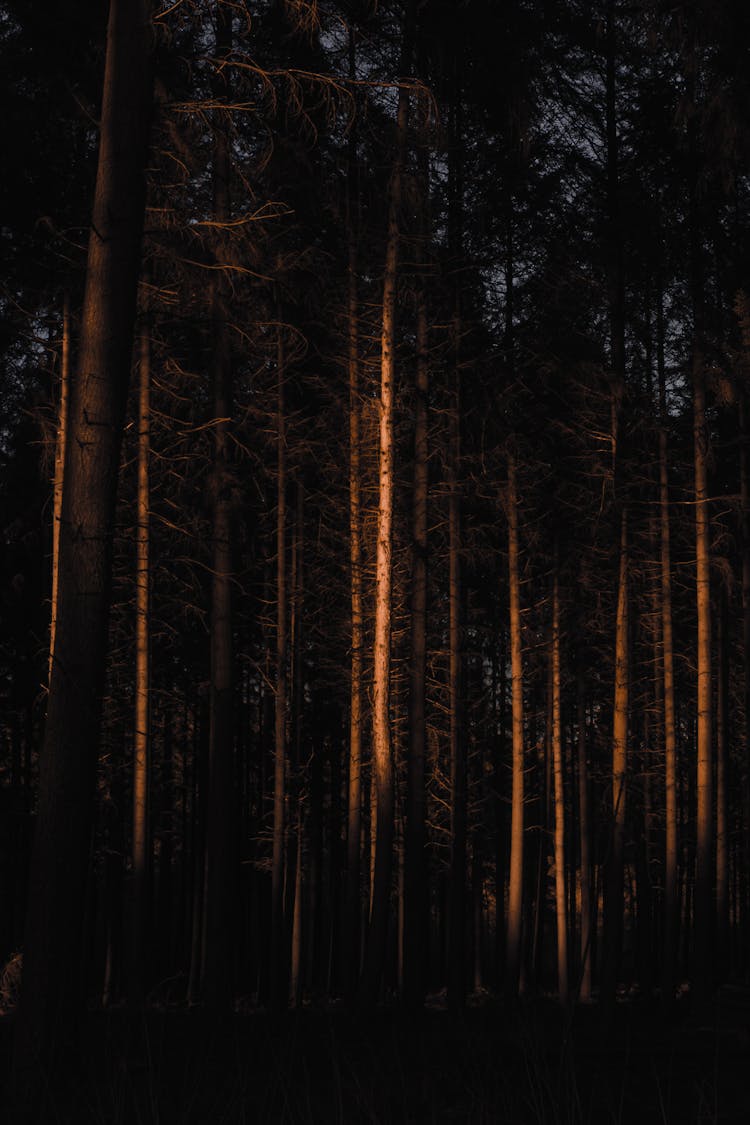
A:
[278,936]
[515,893]
[141,734]
[704,865]
[561,913]
[220,886]
[613,906]
[62,432]
[54,958]
[382,759]
[588,924]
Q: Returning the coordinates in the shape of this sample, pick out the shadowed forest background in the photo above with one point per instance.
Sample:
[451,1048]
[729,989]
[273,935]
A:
[375,556]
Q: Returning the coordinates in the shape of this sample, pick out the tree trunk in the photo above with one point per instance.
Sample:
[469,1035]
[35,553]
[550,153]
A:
[613,916]
[141,747]
[515,893]
[62,434]
[745,545]
[722,787]
[588,926]
[354,793]
[416,889]
[221,876]
[559,799]
[457,885]
[278,942]
[704,865]
[54,988]
[381,697]
[669,944]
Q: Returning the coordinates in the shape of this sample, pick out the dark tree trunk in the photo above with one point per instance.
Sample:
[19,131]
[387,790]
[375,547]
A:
[54,988]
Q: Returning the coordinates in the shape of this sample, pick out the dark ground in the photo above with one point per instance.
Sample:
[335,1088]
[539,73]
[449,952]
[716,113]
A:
[531,1064]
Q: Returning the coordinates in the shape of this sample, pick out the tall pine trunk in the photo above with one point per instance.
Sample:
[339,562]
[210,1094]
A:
[416,890]
[515,894]
[382,751]
[561,914]
[704,866]
[54,950]
[221,876]
[669,943]
[278,932]
[354,785]
[141,749]
[57,495]
[614,905]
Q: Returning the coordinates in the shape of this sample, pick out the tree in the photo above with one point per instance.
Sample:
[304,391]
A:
[54,986]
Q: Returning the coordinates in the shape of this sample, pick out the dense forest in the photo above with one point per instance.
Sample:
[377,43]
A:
[374,509]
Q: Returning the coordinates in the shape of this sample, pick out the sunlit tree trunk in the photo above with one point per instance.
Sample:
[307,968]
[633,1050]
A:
[704,865]
[141,734]
[382,759]
[220,883]
[515,895]
[613,906]
[559,801]
[62,432]
[54,959]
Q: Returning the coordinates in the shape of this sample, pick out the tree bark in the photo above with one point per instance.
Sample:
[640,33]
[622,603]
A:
[416,888]
[671,854]
[354,792]
[515,893]
[278,936]
[381,706]
[141,749]
[62,434]
[221,876]
[704,904]
[613,916]
[54,979]
[559,799]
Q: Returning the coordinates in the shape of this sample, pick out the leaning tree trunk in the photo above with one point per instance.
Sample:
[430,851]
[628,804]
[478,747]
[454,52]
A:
[54,950]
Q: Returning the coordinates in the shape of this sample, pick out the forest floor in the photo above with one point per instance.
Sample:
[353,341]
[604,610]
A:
[528,1065]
